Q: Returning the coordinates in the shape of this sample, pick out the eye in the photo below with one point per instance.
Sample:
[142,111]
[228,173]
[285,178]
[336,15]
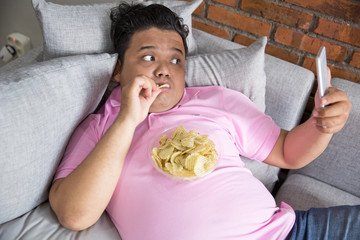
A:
[175,61]
[148,58]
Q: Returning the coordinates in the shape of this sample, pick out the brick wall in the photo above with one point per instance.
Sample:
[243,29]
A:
[295,29]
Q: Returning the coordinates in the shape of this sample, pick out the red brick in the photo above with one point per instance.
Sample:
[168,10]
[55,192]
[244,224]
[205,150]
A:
[336,72]
[270,49]
[231,3]
[344,74]
[355,60]
[243,40]
[348,10]
[277,13]
[341,32]
[239,21]
[282,54]
[200,10]
[211,29]
[309,44]
[309,63]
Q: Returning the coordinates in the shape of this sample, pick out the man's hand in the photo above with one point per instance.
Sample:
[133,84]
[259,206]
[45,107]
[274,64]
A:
[137,97]
[80,198]
[304,143]
[332,117]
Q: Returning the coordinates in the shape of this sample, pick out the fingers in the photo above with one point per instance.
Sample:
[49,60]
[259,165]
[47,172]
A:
[332,96]
[334,115]
[137,97]
[144,86]
[329,75]
[330,124]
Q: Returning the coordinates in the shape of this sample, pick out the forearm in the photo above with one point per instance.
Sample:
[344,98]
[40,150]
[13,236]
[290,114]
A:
[303,144]
[79,199]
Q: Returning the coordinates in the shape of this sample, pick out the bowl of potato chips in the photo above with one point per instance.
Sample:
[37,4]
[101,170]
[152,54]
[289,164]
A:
[184,155]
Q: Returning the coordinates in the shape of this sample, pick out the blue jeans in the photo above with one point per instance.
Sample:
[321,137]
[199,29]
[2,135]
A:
[341,222]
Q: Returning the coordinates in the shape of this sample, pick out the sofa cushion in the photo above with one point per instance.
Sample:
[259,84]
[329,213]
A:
[85,29]
[339,164]
[240,69]
[302,193]
[40,106]
[41,223]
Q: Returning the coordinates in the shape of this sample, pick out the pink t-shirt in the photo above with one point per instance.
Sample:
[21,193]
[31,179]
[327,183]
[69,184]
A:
[229,203]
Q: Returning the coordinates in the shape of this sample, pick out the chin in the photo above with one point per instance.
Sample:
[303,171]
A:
[157,107]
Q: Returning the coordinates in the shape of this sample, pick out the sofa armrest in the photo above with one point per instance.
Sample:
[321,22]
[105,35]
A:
[338,166]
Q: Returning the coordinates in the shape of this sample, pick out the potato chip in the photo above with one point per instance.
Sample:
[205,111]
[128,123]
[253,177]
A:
[163,139]
[156,158]
[188,142]
[191,160]
[199,167]
[185,154]
[175,157]
[166,153]
[166,85]
[177,144]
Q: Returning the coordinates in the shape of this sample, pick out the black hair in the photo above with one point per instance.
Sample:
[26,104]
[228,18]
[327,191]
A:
[126,19]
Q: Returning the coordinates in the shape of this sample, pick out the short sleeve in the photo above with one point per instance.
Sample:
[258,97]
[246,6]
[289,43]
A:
[256,132]
[83,140]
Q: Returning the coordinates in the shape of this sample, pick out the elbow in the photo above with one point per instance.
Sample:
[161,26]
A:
[72,222]
[67,216]
[71,219]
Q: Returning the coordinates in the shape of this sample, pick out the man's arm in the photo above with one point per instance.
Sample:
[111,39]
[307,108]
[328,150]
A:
[79,199]
[300,146]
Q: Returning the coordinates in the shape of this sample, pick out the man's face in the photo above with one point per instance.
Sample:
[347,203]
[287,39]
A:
[159,55]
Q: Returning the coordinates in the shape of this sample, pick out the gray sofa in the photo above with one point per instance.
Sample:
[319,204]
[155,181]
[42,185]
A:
[332,179]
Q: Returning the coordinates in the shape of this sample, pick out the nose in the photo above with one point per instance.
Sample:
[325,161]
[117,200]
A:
[162,70]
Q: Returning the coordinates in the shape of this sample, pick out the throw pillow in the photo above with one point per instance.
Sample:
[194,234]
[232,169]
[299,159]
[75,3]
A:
[40,106]
[241,69]
[85,29]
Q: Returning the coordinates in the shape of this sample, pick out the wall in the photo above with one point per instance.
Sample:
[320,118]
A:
[295,29]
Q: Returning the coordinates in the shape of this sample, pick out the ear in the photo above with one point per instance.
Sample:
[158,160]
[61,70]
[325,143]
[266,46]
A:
[117,71]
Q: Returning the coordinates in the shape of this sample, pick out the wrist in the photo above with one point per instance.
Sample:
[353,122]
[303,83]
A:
[126,120]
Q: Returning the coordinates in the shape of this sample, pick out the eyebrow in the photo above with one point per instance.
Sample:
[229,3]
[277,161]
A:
[152,47]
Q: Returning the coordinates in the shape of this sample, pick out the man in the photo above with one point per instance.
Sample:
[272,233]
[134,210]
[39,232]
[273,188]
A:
[107,166]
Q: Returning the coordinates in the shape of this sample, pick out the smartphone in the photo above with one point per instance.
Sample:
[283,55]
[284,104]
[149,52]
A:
[322,76]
